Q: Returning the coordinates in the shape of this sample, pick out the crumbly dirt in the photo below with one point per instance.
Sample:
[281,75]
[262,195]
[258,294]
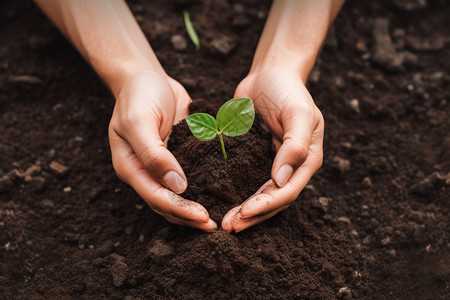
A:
[372,224]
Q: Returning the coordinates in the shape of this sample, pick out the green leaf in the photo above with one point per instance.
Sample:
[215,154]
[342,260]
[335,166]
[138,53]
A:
[236,116]
[203,126]
[191,30]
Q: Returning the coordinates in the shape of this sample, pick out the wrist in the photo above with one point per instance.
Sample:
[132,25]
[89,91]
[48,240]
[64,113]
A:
[284,62]
[117,78]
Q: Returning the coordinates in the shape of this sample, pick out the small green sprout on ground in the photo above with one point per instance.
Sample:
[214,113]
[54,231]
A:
[191,30]
[234,118]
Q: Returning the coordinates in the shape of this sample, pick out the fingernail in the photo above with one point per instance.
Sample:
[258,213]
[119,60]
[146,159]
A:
[283,175]
[174,182]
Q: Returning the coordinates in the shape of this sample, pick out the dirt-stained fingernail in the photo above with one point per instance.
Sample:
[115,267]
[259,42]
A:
[175,182]
[283,175]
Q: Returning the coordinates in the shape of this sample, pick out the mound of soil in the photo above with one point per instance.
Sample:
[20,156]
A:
[373,223]
[216,183]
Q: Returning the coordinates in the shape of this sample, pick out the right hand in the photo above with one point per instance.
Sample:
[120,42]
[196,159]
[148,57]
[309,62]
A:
[147,106]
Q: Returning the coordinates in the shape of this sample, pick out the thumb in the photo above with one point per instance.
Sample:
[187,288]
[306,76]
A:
[159,162]
[298,129]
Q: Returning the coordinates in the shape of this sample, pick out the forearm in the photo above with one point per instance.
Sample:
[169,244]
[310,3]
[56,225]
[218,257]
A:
[293,34]
[107,35]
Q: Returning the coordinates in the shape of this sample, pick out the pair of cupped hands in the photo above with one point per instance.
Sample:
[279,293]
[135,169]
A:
[149,104]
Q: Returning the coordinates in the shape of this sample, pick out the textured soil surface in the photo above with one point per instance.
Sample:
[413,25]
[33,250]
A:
[372,224]
[216,183]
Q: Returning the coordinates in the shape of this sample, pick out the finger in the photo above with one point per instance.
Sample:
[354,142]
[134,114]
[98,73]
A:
[160,199]
[208,226]
[244,223]
[272,196]
[227,221]
[148,146]
[294,150]
[234,221]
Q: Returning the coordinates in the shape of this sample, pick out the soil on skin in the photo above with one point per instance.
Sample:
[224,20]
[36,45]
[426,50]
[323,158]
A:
[372,224]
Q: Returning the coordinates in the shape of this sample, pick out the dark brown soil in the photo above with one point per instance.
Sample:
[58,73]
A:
[216,183]
[372,224]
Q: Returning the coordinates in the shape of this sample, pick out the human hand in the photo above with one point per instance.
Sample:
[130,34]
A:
[297,126]
[147,107]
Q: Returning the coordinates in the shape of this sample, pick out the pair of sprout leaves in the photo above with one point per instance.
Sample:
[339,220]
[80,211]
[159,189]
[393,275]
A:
[234,118]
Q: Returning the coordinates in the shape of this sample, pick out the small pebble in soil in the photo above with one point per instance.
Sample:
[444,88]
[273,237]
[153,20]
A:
[119,272]
[354,105]
[58,168]
[392,252]
[418,216]
[160,251]
[106,248]
[179,42]
[367,240]
[428,184]
[435,43]
[47,203]
[98,261]
[384,53]
[341,164]
[386,241]
[29,79]
[344,220]
[367,182]
[339,82]
[344,293]
[222,45]
[361,46]
[321,203]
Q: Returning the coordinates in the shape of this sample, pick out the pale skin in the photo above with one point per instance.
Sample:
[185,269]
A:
[149,103]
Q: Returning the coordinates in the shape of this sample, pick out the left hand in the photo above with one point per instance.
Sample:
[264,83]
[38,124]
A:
[297,126]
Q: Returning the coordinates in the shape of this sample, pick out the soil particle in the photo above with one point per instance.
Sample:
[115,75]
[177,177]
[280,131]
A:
[344,293]
[384,53]
[58,168]
[322,203]
[222,45]
[29,79]
[435,43]
[354,105]
[341,164]
[105,249]
[119,272]
[340,82]
[179,42]
[427,185]
[160,252]
[47,203]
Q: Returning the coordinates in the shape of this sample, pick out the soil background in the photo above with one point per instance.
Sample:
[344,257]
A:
[372,224]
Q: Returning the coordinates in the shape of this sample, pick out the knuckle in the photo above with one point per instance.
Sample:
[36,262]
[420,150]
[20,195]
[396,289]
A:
[150,158]
[300,150]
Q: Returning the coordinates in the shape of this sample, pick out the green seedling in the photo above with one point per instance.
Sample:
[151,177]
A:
[191,30]
[234,118]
